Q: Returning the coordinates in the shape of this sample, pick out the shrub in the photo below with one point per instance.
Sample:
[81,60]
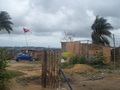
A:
[67,54]
[83,60]
[98,61]
[78,60]
[64,65]
[4,76]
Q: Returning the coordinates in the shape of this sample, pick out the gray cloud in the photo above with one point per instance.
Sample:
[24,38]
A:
[48,17]
[105,8]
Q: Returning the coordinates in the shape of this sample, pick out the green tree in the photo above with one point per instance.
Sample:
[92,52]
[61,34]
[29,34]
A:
[101,31]
[5,23]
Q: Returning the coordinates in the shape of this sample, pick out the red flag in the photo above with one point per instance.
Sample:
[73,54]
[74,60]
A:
[26,30]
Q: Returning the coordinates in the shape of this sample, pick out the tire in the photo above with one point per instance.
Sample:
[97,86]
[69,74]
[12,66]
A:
[18,59]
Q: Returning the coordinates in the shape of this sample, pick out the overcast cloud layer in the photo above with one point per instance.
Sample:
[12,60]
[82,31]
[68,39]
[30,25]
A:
[48,19]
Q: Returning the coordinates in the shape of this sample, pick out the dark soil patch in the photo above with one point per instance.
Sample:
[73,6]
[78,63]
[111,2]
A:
[32,79]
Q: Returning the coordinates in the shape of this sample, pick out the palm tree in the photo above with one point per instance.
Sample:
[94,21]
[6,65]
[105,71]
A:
[5,23]
[101,31]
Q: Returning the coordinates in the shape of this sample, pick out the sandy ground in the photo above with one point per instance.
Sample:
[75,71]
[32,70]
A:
[29,70]
[82,77]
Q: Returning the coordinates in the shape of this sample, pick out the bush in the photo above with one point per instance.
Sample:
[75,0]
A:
[67,54]
[83,60]
[78,60]
[4,76]
[64,65]
[98,61]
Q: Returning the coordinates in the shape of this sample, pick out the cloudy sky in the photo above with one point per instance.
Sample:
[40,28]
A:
[47,20]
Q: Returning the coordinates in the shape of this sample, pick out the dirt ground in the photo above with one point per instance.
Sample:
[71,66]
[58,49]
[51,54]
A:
[82,77]
[29,70]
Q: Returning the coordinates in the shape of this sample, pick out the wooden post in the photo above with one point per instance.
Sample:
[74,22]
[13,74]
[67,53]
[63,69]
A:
[44,69]
[114,51]
[87,49]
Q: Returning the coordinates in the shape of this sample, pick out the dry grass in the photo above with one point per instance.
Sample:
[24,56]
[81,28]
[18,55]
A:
[81,68]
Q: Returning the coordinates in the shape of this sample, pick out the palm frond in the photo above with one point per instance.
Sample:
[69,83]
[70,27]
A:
[105,40]
[101,31]
[5,23]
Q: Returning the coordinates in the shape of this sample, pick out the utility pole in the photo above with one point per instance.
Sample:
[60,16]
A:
[114,51]
[87,49]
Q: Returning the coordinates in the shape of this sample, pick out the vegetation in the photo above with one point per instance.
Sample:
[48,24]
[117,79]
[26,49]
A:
[67,54]
[78,60]
[98,61]
[64,65]
[74,60]
[101,31]
[4,77]
[5,23]
[13,74]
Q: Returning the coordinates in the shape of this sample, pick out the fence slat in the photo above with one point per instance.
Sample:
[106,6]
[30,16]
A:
[50,64]
[44,69]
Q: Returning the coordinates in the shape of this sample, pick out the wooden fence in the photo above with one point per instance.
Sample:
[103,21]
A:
[50,68]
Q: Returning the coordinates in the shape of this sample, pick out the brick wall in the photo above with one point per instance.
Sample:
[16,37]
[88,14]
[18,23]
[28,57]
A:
[88,50]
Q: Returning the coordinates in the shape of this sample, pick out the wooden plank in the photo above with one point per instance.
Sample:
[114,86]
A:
[50,67]
[44,69]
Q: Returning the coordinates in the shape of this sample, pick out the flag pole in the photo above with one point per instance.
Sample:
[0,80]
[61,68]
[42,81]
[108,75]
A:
[26,40]
[25,31]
